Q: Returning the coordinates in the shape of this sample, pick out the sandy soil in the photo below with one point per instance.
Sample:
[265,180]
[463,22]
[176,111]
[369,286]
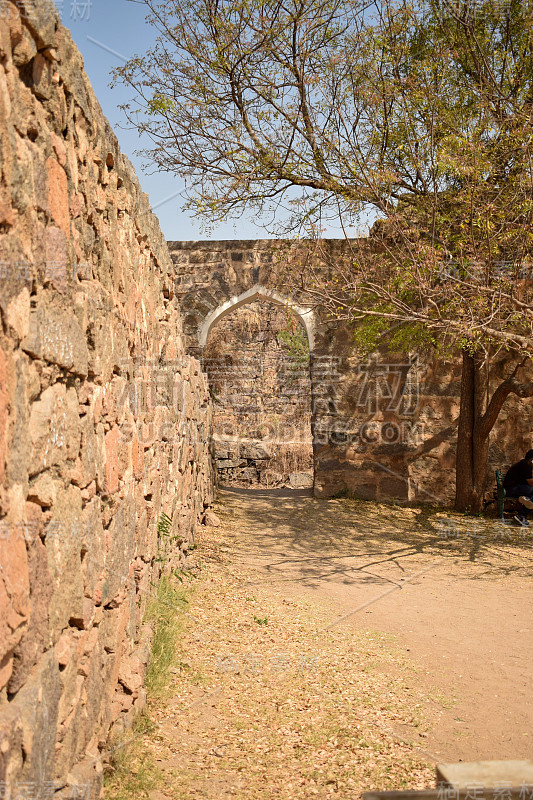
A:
[338,646]
[466,624]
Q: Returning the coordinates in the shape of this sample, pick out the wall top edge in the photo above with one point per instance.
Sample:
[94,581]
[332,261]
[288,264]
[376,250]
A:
[206,243]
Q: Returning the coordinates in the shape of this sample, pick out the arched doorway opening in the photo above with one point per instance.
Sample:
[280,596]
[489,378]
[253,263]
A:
[256,353]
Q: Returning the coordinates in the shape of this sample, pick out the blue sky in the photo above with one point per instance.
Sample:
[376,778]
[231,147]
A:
[107,32]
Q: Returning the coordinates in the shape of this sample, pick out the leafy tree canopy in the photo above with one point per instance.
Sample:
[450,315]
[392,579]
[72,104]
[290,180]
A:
[420,112]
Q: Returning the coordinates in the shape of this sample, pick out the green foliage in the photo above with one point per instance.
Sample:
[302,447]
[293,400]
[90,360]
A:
[164,525]
[417,113]
[295,343]
[163,611]
[167,541]
[371,333]
[159,104]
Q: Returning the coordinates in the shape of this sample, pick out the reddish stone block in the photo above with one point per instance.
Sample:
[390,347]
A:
[111,462]
[14,594]
[7,217]
[137,457]
[58,195]
[35,639]
[3,413]
[56,265]
[131,673]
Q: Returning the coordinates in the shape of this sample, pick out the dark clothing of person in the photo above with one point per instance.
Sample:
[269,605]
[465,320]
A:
[517,478]
[522,490]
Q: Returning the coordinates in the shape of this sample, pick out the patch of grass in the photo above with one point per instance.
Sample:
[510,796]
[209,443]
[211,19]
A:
[261,620]
[132,772]
[163,610]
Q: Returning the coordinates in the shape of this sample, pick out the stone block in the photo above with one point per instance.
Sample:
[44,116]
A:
[487,774]
[19,380]
[94,547]
[301,480]
[109,346]
[58,199]
[18,313]
[54,428]
[14,593]
[64,539]
[111,461]
[3,413]
[21,177]
[42,19]
[35,638]
[40,186]
[57,266]
[211,519]
[42,78]
[255,451]
[56,336]
[131,673]
[137,457]
[30,720]
[25,49]
[121,548]
[88,452]
[43,490]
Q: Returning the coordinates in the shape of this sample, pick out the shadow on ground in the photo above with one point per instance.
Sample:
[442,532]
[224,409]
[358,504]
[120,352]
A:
[347,540]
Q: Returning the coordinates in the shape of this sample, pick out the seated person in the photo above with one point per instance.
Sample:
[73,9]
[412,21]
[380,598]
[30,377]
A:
[518,481]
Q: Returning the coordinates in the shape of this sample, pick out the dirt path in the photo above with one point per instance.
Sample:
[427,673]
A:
[466,623]
[337,646]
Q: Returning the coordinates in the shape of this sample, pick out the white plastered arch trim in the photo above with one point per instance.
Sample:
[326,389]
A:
[258,292]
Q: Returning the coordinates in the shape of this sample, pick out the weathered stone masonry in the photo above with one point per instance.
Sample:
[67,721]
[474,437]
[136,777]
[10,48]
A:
[104,420]
[376,423]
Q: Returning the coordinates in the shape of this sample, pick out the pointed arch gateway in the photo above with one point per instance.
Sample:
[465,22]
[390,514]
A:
[258,292]
[263,424]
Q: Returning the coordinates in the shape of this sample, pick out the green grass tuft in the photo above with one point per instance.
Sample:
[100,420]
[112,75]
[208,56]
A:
[163,611]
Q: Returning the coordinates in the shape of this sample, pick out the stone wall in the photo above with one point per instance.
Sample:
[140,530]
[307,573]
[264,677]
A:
[257,363]
[383,428]
[104,420]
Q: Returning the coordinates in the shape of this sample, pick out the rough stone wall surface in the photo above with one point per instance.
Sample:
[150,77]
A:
[257,363]
[104,420]
[376,424]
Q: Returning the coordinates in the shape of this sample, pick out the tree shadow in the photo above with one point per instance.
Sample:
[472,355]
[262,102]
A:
[297,536]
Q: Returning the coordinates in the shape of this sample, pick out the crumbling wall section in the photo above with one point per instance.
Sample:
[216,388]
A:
[104,420]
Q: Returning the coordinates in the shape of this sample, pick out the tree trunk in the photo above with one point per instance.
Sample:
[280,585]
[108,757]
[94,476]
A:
[472,436]
[464,478]
[476,420]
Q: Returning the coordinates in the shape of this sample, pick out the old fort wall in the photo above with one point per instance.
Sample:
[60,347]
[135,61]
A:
[105,421]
